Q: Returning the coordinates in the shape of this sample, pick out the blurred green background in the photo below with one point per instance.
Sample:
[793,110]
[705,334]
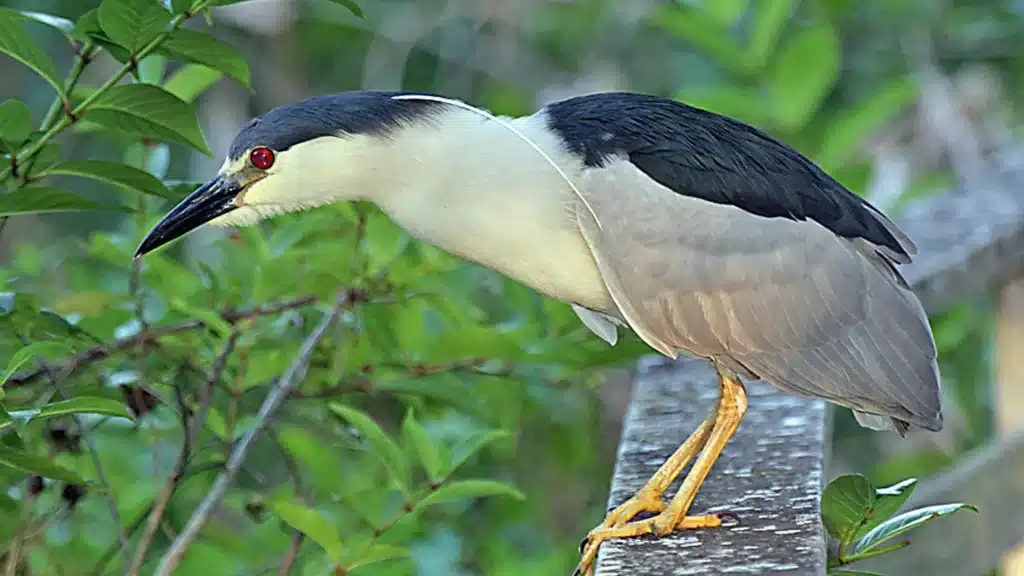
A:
[896,98]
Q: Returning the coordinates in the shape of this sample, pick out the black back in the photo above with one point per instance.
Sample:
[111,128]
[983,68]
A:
[701,154]
[361,112]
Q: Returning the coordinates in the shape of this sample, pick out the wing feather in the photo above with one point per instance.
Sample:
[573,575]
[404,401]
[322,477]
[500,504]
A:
[784,300]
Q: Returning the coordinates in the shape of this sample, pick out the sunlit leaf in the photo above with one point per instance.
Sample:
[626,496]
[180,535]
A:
[17,44]
[120,175]
[66,26]
[204,49]
[148,110]
[191,80]
[29,352]
[79,405]
[427,449]
[844,503]
[848,572]
[38,199]
[382,445]
[463,489]
[132,23]
[906,522]
[312,524]
[32,464]
[804,74]
[15,122]
[352,6]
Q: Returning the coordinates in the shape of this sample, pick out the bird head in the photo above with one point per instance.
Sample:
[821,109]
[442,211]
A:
[298,156]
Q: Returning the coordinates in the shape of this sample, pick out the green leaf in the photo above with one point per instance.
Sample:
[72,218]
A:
[17,44]
[851,126]
[66,26]
[148,110]
[769,20]
[312,524]
[463,489]
[702,31]
[191,80]
[204,49]
[888,501]
[15,122]
[724,12]
[804,74]
[39,199]
[470,445]
[904,523]
[377,553]
[844,504]
[352,6]
[211,318]
[848,572]
[427,449]
[114,173]
[79,405]
[132,23]
[382,445]
[31,464]
[28,353]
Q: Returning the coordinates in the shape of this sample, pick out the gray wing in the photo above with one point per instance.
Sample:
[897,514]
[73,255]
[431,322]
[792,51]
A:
[784,300]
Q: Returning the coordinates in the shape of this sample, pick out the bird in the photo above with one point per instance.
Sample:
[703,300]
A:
[703,235]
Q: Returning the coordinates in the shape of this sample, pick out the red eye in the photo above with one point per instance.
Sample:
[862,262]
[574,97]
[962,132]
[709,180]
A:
[262,158]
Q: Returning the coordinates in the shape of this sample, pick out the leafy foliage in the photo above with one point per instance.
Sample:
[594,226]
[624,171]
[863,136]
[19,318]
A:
[863,518]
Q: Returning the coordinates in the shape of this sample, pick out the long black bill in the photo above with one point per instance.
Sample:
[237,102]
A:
[210,200]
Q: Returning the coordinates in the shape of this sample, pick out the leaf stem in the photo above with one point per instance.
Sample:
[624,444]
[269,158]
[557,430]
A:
[844,560]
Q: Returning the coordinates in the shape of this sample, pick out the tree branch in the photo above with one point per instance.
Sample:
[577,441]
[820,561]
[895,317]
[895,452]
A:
[152,335]
[288,382]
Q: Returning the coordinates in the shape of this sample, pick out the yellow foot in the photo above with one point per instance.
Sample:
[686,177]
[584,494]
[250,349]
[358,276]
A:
[659,525]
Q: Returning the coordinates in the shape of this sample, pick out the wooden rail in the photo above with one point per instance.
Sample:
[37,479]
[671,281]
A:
[772,473]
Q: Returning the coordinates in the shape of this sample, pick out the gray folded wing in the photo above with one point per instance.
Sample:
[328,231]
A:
[784,300]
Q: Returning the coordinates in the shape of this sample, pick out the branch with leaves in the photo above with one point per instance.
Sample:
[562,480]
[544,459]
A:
[864,519]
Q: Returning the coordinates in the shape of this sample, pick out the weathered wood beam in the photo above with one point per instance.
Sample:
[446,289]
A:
[970,241]
[770,475]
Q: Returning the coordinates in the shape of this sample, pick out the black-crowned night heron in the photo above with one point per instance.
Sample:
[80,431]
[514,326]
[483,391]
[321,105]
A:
[700,233]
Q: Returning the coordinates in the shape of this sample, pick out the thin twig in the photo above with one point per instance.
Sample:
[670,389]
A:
[152,335]
[17,540]
[289,380]
[94,455]
[289,557]
[190,430]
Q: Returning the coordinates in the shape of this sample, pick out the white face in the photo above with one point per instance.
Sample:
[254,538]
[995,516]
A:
[307,175]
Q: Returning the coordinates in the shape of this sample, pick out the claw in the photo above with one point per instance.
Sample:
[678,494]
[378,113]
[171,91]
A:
[731,516]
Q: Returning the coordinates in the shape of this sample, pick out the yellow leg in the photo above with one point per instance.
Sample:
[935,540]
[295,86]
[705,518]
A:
[732,404]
